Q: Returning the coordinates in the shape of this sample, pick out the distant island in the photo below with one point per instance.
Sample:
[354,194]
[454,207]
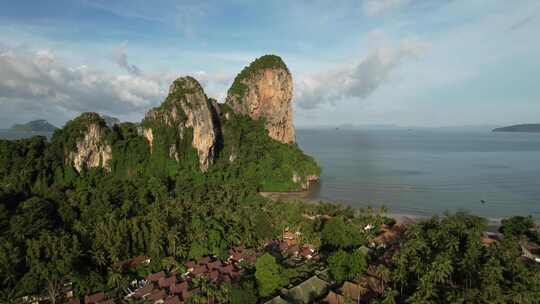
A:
[531,128]
[40,125]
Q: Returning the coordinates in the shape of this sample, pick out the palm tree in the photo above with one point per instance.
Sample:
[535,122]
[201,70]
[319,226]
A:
[99,257]
[115,278]
[10,295]
[379,277]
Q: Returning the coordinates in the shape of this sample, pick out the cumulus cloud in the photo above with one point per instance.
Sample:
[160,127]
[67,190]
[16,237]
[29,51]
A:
[379,7]
[32,82]
[120,57]
[359,80]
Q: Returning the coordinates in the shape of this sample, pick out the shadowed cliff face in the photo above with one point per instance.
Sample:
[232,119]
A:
[186,107]
[89,147]
[264,90]
[92,151]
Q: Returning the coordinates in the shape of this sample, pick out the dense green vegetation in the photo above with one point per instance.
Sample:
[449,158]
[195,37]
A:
[270,276]
[443,260]
[60,226]
[347,266]
[268,164]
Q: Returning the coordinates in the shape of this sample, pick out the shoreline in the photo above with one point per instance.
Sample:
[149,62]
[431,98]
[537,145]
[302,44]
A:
[493,224]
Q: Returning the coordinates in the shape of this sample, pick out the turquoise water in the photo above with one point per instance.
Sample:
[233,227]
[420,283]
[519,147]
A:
[429,171]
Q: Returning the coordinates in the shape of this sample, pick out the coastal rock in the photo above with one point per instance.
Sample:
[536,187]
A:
[185,107]
[91,149]
[264,90]
[305,181]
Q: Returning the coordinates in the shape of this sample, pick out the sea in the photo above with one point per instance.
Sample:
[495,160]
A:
[426,172]
[421,172]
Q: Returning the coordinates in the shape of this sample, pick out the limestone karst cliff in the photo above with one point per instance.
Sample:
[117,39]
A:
[248,138]
[186,107]
[264,90]
[86,145]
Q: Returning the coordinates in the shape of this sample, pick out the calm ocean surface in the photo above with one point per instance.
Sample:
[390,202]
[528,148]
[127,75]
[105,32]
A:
[426,172]
[423,172]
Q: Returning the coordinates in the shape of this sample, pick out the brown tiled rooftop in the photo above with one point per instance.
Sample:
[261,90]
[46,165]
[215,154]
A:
[166,282]
[155,276]
[138,260]
[352,290]
[179,288]
[227,269]
[190,264]
[156,295]
[334,298]
[141,292]
[215,265]
[94,298]
[198,270]
[214,275]
[172,300]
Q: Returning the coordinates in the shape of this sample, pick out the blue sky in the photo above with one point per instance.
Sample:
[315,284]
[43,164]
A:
[404,62]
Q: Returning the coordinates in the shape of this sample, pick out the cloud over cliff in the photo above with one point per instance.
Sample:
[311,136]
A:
[38,81]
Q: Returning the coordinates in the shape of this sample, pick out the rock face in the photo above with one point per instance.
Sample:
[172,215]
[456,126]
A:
[264,90]
[186,107]
[91,150]
[305,181]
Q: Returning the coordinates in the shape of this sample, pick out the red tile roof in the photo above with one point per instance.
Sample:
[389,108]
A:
[158,294]
[141,292]
[155,276]
[215,265]
[138,260]
[179,288]
[172,300]
[334,298]
[214,275]
[283,246]
[93,299]
[185,295]
[293,250]
[198,270]
[134,262]
[227,269]
[190,264]
[166,282]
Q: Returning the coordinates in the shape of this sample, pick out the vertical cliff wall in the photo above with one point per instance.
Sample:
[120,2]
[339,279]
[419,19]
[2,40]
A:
[264,90]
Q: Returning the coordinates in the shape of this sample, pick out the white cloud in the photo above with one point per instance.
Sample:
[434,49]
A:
[39,84]
[120,57]
[36,82]
[359,80]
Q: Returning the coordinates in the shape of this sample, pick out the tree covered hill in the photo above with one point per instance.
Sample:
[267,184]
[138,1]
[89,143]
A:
[39,125]
[181,184]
